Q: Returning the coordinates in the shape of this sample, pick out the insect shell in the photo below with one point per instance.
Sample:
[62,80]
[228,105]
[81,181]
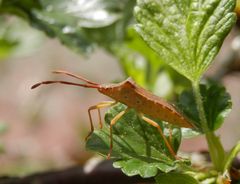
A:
[142,100]
[134,96]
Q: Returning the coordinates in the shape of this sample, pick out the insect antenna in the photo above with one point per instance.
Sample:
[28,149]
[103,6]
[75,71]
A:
[74,76]
[66,83]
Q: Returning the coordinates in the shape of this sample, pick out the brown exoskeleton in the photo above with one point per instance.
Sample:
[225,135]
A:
[133,96]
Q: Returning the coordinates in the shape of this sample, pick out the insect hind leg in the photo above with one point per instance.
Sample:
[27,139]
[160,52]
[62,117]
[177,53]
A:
[98,107]
[153,123]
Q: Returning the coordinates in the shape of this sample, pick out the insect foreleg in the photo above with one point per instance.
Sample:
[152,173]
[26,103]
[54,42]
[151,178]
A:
[153,123]
[113,121]
[98,106]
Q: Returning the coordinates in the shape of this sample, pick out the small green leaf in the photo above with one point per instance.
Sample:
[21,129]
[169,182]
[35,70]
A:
[7,43]
[231,156]
[13,39]
[6,47]
[187,35]
[137,146]
[175,178]
[217,105]
[20,8]
[145,169]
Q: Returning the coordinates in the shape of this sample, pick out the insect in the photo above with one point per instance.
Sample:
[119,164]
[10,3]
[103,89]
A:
[133,96]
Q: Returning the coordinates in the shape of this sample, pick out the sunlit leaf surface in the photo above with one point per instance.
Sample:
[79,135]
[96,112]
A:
[187,34]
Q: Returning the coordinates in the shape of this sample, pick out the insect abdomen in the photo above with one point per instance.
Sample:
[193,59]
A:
[165,113]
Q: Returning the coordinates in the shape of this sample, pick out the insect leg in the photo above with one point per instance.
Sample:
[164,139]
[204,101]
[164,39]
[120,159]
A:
[100,118]
[113,121]
[98,106]
[170,128]
[153,123]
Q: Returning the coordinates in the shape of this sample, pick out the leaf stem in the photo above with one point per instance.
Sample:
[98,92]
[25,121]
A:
[215,147]
[231,155]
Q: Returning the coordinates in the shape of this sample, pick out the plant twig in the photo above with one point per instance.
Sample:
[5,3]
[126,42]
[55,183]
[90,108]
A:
[216,150]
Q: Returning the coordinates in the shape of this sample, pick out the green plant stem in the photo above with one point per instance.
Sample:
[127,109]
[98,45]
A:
[231,155]
[215,147]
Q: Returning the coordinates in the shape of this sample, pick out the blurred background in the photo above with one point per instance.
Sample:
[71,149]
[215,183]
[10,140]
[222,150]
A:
[45,128]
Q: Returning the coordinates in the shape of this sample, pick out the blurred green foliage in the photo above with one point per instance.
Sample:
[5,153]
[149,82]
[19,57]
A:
[3,129]
[7,43]
[17,38]
[85,25]
[175,178]
[20,8]
[80,25]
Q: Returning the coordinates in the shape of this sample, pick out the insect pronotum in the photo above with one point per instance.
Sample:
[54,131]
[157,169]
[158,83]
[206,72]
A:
[133,96]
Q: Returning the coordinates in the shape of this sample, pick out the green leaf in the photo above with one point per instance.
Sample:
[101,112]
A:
[94,14]
[24,4]
[6,48]
[21,8]
[187,35]
[137,146]
[175,178]
[217,105]
[144,168]
[81,25]
[7,43]
[231,156]
[17,38]
[216,101]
